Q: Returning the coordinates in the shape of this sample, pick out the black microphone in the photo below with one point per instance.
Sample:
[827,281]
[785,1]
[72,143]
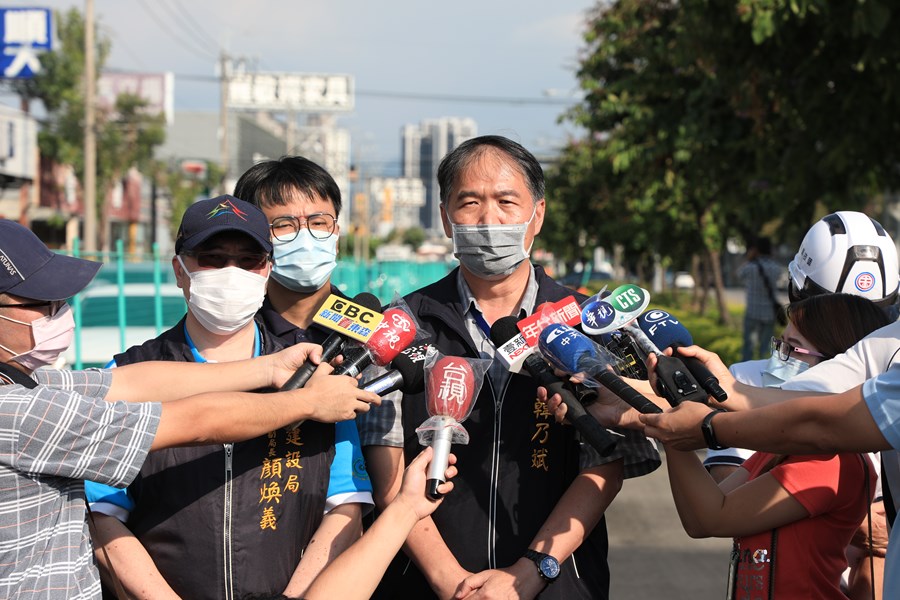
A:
[407,373]
[503,330]
[666,331]
[674,380]
[331,347]
[571,351]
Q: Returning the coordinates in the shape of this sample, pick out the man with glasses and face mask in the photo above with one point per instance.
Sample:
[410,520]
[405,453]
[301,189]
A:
[526,516]
[302,203]
[257,503]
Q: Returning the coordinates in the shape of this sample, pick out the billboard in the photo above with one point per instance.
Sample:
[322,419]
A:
[158,89]
[291,91]
[24,32]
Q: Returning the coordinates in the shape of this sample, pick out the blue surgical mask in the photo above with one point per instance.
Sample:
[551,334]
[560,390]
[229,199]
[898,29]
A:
[304,264]
[777,371]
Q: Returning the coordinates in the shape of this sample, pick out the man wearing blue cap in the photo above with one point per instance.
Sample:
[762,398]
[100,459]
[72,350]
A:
[260,502]
[57,429]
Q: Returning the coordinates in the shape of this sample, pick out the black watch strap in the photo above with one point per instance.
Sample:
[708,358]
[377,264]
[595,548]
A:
[547,566]
[709,433]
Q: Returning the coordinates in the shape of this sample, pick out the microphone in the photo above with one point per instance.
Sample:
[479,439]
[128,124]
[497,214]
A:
[503,331]
[395,333]
[332,345]
[666,331]
[407,373]
[451,392]
[573,352]
[673,379]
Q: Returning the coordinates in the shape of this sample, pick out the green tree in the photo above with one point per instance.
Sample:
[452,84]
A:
[126,133]
[707,119]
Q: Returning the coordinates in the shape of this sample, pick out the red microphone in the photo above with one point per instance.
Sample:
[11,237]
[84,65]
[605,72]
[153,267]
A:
[451,391]
[394,334]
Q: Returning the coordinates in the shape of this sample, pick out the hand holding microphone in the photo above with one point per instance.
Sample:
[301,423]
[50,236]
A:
[333,344]
[665,331]
[502,332]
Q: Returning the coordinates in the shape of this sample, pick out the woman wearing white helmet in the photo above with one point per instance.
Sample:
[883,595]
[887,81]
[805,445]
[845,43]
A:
[848,252]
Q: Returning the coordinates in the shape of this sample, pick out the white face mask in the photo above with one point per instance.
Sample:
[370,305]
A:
[777,371]
[225,300]
[491,251]
[52,336]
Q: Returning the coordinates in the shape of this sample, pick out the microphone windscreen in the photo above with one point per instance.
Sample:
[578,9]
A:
[368,300]
[664,330]
[567,349]
[503,330]
[396,332]
[451,388]
[412,371]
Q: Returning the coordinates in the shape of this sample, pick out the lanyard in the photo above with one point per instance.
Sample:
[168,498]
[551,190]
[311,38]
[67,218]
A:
[199,357]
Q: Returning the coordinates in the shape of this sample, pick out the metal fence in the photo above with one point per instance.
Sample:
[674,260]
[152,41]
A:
[133,295]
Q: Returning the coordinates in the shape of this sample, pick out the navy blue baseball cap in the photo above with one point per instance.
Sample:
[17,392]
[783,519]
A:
[206,218]
[31,270]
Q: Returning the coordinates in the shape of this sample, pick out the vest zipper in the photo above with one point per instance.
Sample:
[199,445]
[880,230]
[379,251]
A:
[495,473]
[226,522]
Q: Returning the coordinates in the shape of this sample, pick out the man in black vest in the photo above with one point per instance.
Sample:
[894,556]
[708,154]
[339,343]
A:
[526,517]
[257,503]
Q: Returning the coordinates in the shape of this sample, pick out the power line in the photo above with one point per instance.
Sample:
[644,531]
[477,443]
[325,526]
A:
[196,50]
[396,95]
[188,24]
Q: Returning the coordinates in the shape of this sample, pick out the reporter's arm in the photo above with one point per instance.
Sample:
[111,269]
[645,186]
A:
[738,508]
[235,416]
[157,381]
[133,566]
[356,572]
[807,425]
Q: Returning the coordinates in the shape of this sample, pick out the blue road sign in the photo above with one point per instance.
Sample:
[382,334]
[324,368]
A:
[24,34]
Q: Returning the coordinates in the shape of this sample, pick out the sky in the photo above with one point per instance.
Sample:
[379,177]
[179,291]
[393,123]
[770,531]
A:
[525,49]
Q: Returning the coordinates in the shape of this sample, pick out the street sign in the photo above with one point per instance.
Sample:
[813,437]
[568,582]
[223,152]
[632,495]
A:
[24,34]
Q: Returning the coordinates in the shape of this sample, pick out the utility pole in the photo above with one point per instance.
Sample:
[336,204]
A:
[224,78]
[90,140]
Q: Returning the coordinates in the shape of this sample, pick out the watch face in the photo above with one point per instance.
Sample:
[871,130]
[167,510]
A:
[549,567]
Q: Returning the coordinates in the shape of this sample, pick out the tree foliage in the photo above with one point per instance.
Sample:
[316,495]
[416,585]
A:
[707,119]
[126,134]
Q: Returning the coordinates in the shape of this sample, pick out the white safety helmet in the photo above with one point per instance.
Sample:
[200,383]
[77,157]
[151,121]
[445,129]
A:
[847,252]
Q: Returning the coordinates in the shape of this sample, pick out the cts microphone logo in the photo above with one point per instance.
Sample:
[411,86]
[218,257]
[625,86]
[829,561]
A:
[627,298]
[348,318]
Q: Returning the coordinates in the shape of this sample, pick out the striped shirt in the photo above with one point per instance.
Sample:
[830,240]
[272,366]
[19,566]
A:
[51,438]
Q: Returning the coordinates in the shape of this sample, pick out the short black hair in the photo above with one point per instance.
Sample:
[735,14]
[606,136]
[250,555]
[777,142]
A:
[273,182]
[465,153]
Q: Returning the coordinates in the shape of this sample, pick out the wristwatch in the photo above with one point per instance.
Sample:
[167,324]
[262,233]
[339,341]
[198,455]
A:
[548,567]
[708,433]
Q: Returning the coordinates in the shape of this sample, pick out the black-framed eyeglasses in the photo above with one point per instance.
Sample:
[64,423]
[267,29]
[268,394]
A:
[320,226]
[248,261]
[783,349]
[54,305]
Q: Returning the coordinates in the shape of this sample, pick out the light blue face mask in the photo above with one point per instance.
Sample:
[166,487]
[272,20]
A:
[304,264]
[778,371]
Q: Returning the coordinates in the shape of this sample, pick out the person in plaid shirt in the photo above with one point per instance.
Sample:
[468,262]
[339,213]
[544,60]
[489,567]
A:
[57,427]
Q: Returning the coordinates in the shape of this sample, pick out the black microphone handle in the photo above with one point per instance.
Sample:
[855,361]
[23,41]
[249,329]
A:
[592,431]
[704,377]
[355,360]
[631,396]
[331,347]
